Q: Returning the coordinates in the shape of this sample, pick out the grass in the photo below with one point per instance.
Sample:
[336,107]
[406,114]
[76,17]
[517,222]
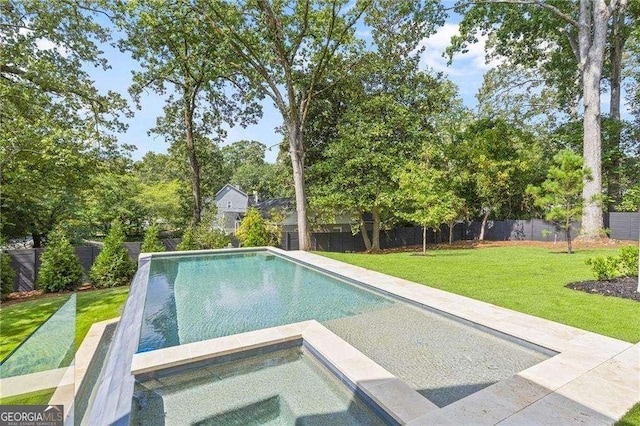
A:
[19,320]
[40,397]
[632,418]
[526,279]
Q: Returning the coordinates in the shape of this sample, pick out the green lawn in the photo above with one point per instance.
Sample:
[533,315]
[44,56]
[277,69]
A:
[632,418]
[34,398]
[526,279]
[19,320]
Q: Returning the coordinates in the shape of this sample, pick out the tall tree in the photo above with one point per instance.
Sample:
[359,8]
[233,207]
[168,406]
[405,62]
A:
[168,40]
[287,48]
[536,33]
[54,124]
[560,195]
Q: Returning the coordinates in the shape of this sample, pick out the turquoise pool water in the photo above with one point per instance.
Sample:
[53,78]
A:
[287,387]
[194,298]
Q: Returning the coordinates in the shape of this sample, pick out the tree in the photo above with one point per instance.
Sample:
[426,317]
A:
[113,266]
[7,275]
[60,268]
[560,195]
[285,49]
[54,124]
[498,161]
[253,229]
[168,41]
[152,243]
[426,198]
[524,34]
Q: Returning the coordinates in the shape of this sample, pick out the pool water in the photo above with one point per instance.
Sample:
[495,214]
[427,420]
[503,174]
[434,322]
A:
[194,298]
[287,387]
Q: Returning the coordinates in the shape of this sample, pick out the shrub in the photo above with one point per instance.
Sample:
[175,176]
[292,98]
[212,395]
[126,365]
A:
[624,264]
[628,261]
[60,268]
[604,268]
[7,274]
[113,266]
[188,241]
[151,241]
[253,230]
[210,238]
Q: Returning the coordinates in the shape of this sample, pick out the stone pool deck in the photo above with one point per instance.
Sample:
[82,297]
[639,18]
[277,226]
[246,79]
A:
[593,379]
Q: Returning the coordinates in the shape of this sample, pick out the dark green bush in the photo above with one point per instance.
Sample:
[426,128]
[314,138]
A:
[7,274]
[113,266]
[151,241]
[60,268]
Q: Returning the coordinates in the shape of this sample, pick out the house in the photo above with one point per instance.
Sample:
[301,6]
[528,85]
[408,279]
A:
[232,204]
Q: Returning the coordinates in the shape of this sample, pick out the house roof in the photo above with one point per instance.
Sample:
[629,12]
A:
[275,203]
[232,187]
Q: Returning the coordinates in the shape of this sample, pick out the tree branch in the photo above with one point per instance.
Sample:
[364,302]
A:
[539,3]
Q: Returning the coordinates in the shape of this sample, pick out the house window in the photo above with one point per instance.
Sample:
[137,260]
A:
[228,204]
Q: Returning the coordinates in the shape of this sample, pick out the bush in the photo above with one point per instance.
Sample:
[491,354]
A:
[253,230]
[188,241]
[604,268]
[628,263]
[624,264]
[60,268]
[113,266]
[151,241]
[7,275]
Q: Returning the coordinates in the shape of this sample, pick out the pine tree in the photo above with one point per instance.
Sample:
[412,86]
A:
[113,266]
[560,195]
[60,268]
[151,241]
[188,241]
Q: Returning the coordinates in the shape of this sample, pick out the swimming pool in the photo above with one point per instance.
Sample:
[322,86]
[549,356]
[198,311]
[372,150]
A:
[191,298]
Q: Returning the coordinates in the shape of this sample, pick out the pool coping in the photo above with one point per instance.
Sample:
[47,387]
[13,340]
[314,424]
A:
[360,373]
[593,378]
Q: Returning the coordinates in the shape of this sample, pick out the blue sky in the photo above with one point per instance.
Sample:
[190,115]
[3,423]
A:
[466,72]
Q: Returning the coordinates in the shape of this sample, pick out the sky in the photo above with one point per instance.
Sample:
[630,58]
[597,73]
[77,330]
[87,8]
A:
[466,72]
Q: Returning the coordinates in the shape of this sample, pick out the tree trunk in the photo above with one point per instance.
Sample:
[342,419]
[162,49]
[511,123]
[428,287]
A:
[296,151]
[568,236]
[594,18]
[484,224]
[424,239]
[365,234]
[451,225]
[37,239]
[375,234]
[193,159]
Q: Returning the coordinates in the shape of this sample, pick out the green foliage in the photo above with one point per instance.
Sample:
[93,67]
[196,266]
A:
[60,268]
[628,261]
[7,274]
[113,266]
[206,235]
[188,241]
[623,264]
[604,267]
[152,241]
[630,200]
[560,195]
[253,229]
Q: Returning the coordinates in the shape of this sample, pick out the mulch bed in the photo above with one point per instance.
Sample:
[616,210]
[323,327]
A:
[626,287]
[25,296]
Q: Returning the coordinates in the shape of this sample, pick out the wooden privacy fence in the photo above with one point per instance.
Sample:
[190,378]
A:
[26,262]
